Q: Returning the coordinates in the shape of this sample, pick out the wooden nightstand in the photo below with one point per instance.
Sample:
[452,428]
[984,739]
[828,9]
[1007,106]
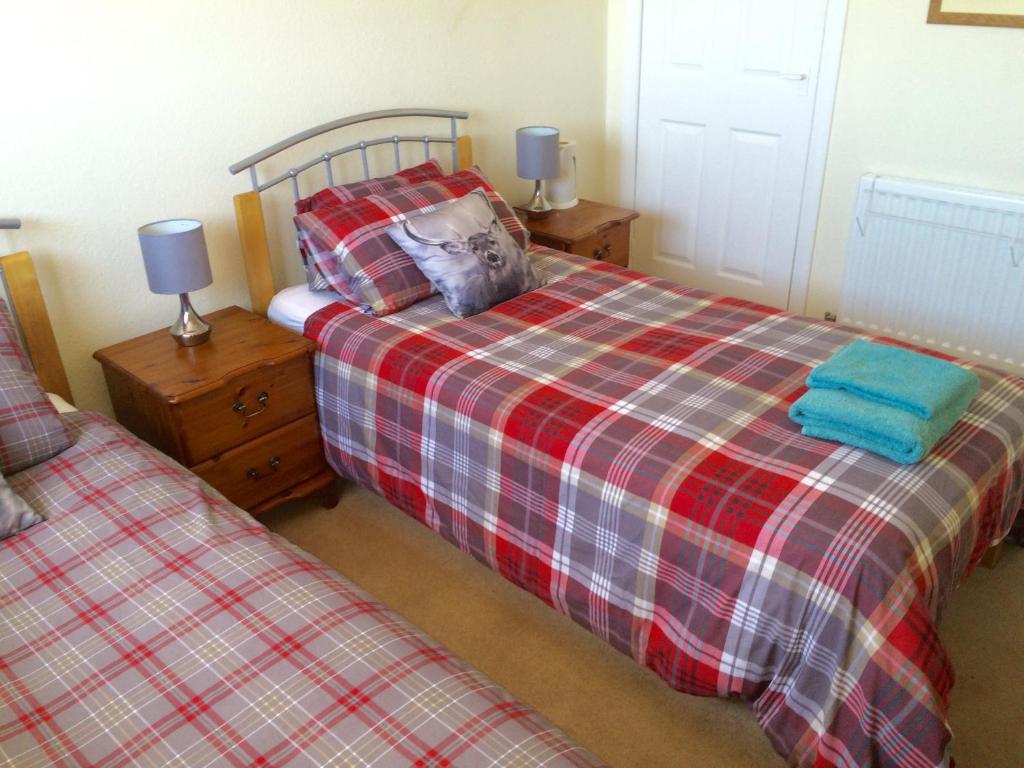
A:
[590,229]
[238,410]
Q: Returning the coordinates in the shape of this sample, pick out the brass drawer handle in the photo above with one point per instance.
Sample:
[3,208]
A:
[254,474]
[603,253]
[243,410]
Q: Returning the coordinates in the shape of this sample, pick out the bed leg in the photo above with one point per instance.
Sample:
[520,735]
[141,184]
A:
[993,555]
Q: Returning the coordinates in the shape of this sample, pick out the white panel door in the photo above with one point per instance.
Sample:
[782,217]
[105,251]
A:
[726,105]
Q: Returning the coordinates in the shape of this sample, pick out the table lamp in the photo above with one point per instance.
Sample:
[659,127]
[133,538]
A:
[537,159]
[174,252]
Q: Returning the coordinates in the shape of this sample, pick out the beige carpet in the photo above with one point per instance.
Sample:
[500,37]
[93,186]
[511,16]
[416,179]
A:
[604,700]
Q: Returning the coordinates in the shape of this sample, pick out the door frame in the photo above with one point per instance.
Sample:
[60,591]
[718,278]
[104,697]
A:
[817,157]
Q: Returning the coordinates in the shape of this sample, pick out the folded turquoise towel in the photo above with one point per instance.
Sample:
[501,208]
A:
[832,414]
[919,384]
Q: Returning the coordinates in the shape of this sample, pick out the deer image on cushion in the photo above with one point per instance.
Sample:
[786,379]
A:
[466,252]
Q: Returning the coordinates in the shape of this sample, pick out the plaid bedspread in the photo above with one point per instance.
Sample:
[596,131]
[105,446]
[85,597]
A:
[619,446]
[150,622]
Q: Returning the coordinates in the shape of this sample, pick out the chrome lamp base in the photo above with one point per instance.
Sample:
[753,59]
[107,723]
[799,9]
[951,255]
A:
[189,329]
[538,207]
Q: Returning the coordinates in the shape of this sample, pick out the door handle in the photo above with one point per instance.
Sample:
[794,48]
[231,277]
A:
[792,76]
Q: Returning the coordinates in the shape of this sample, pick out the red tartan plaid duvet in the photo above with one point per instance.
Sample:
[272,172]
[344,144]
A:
[150,622]
[619,446]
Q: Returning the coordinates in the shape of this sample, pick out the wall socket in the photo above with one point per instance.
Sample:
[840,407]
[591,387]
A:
[831,317]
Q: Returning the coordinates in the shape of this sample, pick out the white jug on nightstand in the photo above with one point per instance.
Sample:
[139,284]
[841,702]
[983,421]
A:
[561,191]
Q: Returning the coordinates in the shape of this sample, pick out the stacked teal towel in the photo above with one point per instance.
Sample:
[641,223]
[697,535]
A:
[910,381]
[888,400]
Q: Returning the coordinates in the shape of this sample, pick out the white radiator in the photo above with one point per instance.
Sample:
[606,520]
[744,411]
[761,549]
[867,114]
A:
[938,266]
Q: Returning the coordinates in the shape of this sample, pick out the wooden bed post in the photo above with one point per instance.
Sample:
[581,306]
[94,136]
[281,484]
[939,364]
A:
[252,234]
[464,151]
[30,308]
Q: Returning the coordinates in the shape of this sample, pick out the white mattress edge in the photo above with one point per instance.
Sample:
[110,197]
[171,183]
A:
[62,405]
[291,306]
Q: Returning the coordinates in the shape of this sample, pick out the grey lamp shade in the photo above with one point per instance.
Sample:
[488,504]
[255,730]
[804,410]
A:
[174,252]
[537,152]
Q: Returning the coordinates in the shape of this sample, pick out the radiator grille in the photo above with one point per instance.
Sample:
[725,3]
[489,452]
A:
[939,266]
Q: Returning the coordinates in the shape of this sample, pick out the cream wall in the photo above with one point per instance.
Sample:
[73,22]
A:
[927,101]
[920,100]
[617,141]
[121,113]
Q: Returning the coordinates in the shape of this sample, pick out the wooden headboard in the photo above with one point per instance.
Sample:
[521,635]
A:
[29,307]
[252,231]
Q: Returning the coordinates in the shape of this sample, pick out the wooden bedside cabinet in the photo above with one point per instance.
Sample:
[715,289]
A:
[590,229]
[238,411]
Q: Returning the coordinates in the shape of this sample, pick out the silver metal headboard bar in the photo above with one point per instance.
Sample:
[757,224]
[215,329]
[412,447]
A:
[12,223]
[292,173]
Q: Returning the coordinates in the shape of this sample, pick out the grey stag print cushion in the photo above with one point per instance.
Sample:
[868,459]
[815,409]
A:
[464,250]
[15,513]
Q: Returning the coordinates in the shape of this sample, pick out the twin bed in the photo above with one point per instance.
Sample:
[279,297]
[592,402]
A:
[620,447]
[148,621]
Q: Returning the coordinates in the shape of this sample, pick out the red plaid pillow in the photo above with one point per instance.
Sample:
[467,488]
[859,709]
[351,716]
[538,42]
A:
[31,430]
[344,193]
[350,247]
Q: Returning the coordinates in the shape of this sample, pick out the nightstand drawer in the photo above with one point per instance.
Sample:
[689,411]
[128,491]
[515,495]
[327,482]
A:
[268,465]
[612,246]
[248,405]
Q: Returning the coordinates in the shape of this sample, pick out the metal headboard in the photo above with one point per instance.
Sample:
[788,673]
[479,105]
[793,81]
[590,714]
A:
[293,173]
[10,223]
